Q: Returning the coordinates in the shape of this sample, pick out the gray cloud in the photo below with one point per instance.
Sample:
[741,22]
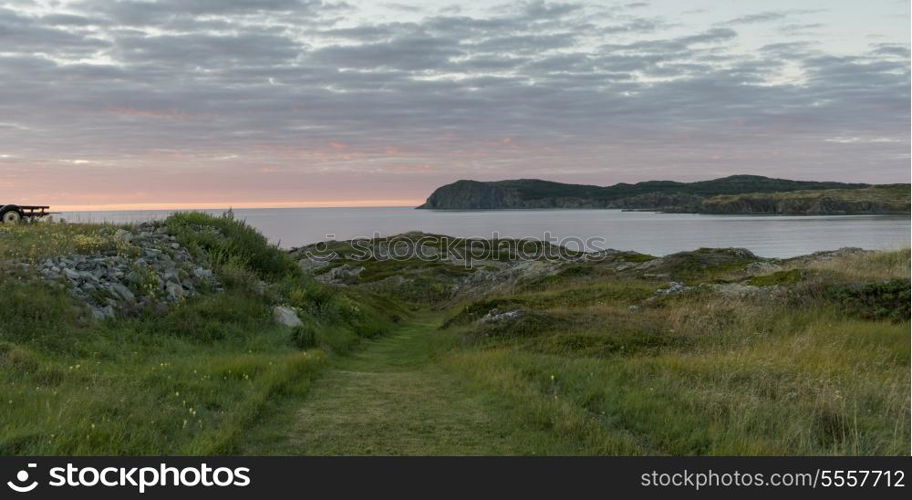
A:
[761,17]
[407,52]
[800,29]
[70,20]
[546,10]
[525,43]
[184,84]
[769,16]
[891,50]
[143,12]
[634,26]
[207,50]
[21,33]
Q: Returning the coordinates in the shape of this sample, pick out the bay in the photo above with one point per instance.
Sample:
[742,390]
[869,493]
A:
[646,232]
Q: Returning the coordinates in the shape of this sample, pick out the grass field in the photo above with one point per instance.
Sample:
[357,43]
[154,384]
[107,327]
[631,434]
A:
[745,357]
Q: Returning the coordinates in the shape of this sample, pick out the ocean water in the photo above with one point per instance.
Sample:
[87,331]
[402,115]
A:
[646,232]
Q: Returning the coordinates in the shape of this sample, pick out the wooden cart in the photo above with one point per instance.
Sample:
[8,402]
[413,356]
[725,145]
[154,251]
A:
[11,214]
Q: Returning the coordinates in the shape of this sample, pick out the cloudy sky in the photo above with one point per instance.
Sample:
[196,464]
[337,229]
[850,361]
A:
[307,102]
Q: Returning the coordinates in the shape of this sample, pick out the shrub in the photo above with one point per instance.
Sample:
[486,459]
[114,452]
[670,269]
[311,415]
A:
[226,240]
[307,294]
[236,276]
[885,300]
[304,336]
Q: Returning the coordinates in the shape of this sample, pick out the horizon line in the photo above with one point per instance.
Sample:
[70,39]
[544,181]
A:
[108,207]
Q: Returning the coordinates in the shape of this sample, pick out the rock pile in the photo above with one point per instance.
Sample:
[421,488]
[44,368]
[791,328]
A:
[152,269]
[496,316]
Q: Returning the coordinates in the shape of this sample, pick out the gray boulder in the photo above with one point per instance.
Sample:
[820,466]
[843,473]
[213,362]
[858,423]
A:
[174,290]
[123,292]
[102,313]
[124,235]
[286,316]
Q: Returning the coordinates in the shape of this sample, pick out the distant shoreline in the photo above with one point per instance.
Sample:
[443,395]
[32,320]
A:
[734,195]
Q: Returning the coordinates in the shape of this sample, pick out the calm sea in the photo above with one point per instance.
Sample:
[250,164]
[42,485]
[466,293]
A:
[647,232]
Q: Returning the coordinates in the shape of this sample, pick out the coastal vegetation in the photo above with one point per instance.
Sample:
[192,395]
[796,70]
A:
[886,199]
[189,380]
[424,344]
[713,351]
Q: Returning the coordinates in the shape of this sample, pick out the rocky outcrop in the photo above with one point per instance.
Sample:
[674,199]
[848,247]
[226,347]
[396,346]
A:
[497,316]
[429,274]
[152,270]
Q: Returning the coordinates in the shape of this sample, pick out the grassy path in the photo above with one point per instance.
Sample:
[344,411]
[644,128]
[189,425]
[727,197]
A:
[392,398]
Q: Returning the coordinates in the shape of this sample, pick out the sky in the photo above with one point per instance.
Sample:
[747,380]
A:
[278,103]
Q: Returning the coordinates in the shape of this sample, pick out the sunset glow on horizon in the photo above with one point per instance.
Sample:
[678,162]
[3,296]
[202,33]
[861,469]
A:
[235,205]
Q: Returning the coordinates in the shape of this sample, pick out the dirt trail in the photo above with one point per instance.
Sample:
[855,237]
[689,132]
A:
[391,398]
